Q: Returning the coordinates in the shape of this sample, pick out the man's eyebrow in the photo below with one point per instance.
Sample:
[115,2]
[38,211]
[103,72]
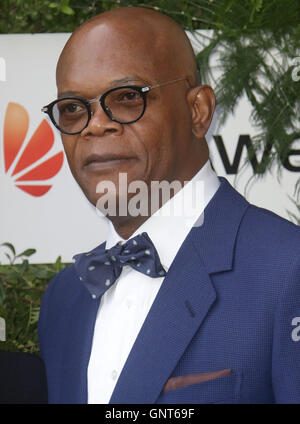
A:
[129,79]
[115,83]
[68,93]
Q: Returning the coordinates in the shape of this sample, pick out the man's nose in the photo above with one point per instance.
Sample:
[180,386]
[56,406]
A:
[100,124]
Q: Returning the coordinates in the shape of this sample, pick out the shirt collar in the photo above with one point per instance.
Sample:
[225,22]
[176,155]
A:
[167,231]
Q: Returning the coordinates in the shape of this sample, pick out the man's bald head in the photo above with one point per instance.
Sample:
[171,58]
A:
[151,36]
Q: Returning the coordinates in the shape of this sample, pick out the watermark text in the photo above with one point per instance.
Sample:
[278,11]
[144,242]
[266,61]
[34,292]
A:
[296,331]
[139,199]
[2,69]
[296,70]
[2,330]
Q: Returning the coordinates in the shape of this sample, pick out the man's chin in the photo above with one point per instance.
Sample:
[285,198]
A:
[111,193]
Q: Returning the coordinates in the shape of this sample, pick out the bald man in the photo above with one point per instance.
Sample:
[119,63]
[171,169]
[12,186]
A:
[200,306]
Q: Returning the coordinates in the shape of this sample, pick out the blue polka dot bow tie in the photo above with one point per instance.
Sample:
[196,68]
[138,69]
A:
[100,268]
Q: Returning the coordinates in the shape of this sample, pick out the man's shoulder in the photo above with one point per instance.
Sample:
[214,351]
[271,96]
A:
[68,279]
[258,235]
[257,220]
[63,285]
[265,223]
[269,243]
[64,278]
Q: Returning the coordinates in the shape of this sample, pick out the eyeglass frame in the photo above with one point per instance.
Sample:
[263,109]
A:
[143,90]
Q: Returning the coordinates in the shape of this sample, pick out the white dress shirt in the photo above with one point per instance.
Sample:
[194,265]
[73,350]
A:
[125,305]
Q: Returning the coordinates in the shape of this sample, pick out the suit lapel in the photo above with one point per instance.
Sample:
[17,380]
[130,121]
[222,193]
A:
[215,239]
[183,301]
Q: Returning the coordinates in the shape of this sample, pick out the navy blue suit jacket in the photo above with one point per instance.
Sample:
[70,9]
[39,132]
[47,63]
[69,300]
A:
[228,302]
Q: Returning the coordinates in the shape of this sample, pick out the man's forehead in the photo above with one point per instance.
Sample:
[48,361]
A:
[153,47]
[109,53]
[109,43]
[105,72]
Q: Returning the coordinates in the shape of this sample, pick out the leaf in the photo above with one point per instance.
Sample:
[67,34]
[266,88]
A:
[10,246]
[41,273]
[34,315]
[24,266]
[9,258]
[67,10]
[12,275]
[27,252]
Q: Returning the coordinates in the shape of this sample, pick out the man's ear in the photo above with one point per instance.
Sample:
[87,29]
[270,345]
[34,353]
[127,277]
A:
[202,102]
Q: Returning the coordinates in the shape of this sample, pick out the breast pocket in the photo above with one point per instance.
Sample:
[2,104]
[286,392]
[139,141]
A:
[219,390]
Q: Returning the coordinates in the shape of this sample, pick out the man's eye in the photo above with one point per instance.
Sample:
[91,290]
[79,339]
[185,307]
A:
[129,96]
[71,108]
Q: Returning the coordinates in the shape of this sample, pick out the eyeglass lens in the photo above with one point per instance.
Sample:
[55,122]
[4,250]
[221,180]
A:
[70,115]
[123,105]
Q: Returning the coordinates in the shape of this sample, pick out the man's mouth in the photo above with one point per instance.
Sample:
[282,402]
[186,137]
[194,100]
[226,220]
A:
[96,162]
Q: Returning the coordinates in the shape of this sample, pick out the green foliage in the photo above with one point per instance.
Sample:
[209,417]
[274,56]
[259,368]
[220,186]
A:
[34,16]
[259,65]
[22,286]
[25,16]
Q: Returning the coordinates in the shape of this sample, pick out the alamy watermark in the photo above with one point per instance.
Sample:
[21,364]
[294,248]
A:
[2,330]
[138,199]
[2,69]
[296,331]
[296,70]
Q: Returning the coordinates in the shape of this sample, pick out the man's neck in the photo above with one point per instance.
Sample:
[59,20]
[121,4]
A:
[126,226]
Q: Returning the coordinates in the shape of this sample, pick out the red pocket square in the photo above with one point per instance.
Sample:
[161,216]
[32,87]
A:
[189,379]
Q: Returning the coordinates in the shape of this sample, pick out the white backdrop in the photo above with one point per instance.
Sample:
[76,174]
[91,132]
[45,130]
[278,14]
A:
[62,222]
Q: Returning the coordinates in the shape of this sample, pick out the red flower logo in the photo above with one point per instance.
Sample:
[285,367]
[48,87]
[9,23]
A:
[15,129]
